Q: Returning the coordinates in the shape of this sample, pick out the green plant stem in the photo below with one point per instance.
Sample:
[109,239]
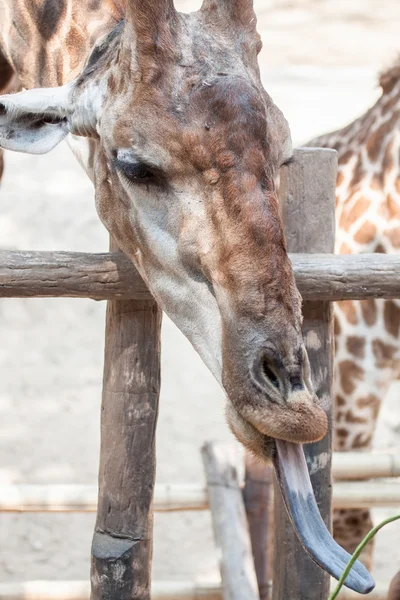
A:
[357,553]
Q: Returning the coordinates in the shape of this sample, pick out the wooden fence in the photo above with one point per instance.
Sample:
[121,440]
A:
[122,542]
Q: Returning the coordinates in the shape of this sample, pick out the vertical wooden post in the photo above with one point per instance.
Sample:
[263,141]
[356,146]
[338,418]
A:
[307,194]
[258,500]
[231,532]
[122,541]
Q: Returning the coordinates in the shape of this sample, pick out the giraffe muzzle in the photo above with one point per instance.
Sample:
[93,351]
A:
[295,485]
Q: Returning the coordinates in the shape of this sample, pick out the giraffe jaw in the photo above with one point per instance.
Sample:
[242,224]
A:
[295,485]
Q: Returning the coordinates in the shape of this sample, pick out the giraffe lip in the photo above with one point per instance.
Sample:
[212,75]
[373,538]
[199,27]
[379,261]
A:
[295,485]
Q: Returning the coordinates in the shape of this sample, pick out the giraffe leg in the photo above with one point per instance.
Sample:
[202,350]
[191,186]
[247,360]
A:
[367,353]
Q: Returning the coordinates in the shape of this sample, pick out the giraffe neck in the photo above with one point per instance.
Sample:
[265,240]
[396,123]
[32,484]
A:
[47,43]
[368,332]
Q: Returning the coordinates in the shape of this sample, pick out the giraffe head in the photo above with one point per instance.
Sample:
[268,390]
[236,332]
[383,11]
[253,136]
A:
[185,145]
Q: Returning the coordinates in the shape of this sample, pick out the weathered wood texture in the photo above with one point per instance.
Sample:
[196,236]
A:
[258,500]
[231,531]
[111,276]
[162,590]
[122,541]
[106,276]
[347,277]
[80,590]
[307,194]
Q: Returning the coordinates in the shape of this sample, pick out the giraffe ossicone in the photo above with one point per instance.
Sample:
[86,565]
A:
[184,147]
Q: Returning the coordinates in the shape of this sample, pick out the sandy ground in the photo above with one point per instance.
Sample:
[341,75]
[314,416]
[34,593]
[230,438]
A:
[319,63]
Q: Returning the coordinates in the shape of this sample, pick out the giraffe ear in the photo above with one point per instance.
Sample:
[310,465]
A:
[34,121]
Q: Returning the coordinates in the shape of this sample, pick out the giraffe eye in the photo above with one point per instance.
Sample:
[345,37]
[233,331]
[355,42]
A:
[138,172]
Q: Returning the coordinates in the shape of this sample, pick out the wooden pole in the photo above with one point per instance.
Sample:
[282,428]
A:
[258,500]
[307,195]
[122,541]
[231,530]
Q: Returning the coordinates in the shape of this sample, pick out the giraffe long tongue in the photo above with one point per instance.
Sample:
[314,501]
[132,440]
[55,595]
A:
[295,485]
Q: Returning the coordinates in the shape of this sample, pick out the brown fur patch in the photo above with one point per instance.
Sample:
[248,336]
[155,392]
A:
[340,178]
[389,104]
[390,77]
[393,205]
[345,157]
[211,176]
[370,401]
[383,353]
[361,441]
[50,18]
[366,233]
[394,236]
[350,374]
[387,164]
[356,346]
[200,157]
[349,310]
[358,174]
[342,432]
[377,138]
[336,325]
[369,311]
[391,315]
[376,182]
[349,217]
[6,73]
[350,417]
[340,401]
[345,249]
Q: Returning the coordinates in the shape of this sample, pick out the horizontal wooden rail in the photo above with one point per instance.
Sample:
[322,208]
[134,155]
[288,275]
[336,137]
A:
[364,465]
[161,590]
[80,590]
[170,498]
[111,275]
[366,494]
[83,498]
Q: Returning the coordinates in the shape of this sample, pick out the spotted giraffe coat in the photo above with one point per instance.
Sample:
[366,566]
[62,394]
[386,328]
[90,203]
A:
[367,332]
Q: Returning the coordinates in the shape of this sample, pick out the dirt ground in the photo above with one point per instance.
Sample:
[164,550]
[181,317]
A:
[319,63]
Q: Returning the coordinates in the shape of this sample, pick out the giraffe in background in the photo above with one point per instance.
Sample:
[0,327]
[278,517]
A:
[367,332]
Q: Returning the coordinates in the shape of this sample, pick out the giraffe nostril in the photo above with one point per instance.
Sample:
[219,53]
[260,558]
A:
[264,373]
[296,383]
[269,373]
